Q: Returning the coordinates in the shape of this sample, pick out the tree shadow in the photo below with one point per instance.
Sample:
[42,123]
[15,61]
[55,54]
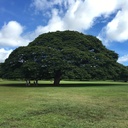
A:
[64,85]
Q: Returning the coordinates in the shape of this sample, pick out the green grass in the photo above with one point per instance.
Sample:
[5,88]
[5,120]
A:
[85,105]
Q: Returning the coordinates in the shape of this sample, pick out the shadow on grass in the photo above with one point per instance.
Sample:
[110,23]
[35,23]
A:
[65,85]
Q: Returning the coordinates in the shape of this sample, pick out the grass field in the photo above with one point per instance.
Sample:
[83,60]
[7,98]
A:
[75,105]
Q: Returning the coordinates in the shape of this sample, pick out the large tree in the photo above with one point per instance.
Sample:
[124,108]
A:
[0,70]
[66,54]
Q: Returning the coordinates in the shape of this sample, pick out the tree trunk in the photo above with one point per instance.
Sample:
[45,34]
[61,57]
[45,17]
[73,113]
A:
[57,78]
[36,82]
[28,82]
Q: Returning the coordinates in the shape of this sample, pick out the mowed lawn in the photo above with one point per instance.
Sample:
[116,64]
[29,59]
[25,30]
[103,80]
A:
[82,105]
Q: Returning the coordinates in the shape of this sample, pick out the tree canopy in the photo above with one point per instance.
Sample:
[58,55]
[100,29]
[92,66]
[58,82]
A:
[63,54]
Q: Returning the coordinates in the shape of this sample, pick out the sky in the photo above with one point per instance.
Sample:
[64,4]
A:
[21,21]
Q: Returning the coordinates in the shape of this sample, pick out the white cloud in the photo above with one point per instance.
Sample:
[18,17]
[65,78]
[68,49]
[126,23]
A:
[42,5]
[117,29]
[123,59]
[4,54]
[10,35]
[77,15]
[55,23]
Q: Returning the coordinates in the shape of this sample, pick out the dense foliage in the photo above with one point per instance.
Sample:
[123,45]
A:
[0,70]
[67,55]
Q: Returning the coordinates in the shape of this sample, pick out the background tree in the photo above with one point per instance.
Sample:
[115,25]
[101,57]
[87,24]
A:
[67,54]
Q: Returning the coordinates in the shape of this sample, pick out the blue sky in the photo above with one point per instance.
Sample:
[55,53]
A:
[22,21]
